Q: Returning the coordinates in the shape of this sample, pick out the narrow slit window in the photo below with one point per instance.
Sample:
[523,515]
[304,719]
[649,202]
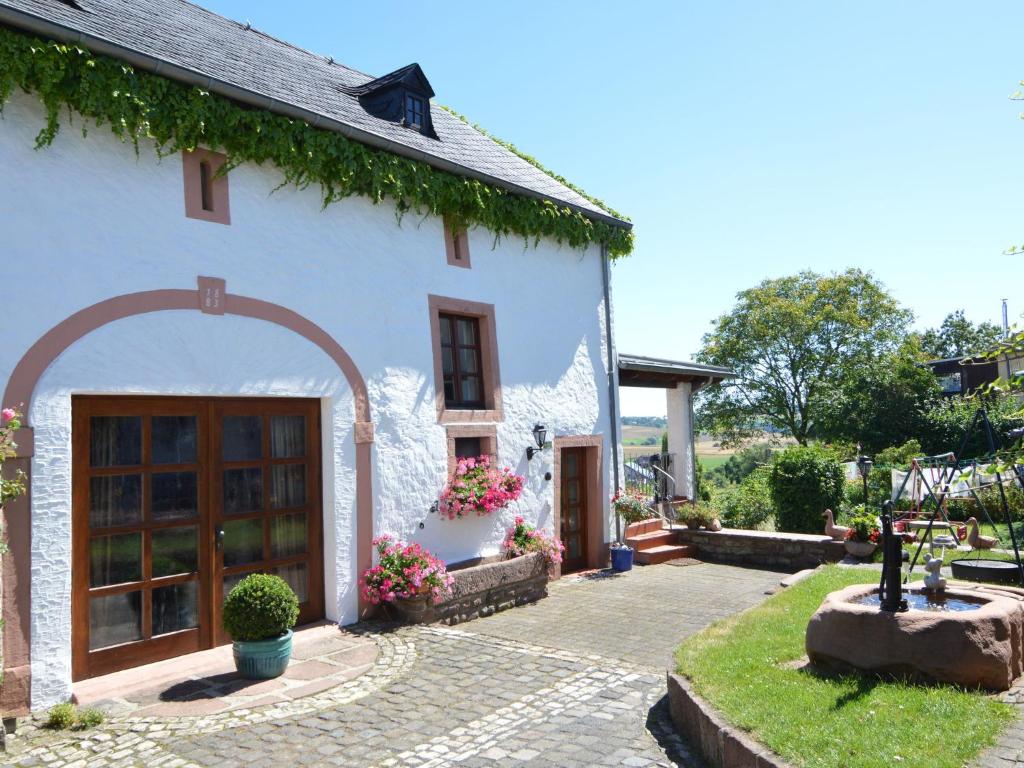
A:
[206,185]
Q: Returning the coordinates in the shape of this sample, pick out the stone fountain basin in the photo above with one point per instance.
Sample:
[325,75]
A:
[979,648]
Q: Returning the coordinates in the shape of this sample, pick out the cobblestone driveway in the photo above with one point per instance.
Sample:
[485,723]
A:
[576,680]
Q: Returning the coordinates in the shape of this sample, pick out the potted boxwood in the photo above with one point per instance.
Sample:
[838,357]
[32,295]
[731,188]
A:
[259,614]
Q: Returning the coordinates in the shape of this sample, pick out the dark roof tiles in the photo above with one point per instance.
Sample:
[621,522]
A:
[202,42]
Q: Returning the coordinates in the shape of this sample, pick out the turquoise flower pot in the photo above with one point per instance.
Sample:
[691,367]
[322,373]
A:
[263,659]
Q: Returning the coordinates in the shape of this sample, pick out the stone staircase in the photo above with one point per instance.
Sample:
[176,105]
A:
[655,544]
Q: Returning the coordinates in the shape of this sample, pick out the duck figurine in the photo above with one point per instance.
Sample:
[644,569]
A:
[837,532]
[974,538]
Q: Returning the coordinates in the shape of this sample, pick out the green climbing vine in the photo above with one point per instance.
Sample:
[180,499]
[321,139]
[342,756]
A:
[138,105]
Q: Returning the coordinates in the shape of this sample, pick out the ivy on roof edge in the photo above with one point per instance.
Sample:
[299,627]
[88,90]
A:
[535,163]
[138,105]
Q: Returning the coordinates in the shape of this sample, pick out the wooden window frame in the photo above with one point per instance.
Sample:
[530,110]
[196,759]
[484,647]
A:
[456,246]
[206,190]
[453,323]
[487,434]
[491,408]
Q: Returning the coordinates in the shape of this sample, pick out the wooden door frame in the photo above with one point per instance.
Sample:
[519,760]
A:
[87,664]
[596,547]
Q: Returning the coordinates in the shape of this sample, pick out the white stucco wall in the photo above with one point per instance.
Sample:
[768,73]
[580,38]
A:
[85,220]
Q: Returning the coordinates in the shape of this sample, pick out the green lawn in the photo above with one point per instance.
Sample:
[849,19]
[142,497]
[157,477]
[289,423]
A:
[823,722]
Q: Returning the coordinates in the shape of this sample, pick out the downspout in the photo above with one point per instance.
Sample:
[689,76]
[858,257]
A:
[613,378]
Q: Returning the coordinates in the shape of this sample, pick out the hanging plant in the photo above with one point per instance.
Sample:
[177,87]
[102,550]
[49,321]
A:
[138,105]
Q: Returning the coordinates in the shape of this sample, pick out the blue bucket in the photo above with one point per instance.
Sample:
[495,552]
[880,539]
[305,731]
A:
[263,659]
[622,559]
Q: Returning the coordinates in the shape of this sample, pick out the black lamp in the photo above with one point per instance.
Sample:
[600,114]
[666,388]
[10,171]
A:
[540,434]
[864,465]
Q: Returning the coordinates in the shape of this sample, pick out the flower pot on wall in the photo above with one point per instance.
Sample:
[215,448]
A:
[860,548]
[263,659]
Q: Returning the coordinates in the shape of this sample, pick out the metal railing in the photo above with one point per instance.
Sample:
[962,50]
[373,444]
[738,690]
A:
[651,476]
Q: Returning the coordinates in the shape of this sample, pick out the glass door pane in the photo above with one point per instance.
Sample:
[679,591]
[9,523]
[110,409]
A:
[268,513]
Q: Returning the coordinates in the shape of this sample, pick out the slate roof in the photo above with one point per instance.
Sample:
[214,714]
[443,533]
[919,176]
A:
[185,42]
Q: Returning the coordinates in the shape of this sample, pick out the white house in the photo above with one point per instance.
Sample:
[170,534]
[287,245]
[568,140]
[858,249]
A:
[253,315]
[221,374]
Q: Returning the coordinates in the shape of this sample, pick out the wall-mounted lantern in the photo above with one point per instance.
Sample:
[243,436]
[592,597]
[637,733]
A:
[540,435]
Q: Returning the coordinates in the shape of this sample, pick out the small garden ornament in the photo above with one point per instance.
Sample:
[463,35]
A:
[974,538]
[837,532]
[933,581]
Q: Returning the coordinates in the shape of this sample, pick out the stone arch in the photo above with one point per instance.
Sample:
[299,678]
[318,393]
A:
[211,298]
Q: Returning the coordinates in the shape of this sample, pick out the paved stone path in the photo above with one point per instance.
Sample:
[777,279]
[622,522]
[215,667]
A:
[575,680]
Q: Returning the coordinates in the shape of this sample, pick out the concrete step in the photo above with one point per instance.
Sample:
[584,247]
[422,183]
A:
[653,539]
[663,553]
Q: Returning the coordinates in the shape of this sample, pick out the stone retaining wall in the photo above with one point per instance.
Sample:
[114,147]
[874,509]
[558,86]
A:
[481,590]
[788,551]
[720,744]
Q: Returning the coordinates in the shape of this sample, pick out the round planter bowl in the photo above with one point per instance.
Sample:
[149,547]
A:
[622,559]
[263,659]
[999,571]
[860,548]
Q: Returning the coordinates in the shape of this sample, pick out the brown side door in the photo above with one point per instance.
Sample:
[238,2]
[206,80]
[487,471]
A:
[573,509]
[155,483]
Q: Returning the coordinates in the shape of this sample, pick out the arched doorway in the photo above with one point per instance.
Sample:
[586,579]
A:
[210,298]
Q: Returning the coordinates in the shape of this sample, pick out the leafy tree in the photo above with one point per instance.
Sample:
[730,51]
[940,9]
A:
[793,341]
[947,422]
[883,403]
[959,337]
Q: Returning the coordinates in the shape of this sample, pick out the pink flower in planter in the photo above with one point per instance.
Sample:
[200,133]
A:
[403,571]
[7,414]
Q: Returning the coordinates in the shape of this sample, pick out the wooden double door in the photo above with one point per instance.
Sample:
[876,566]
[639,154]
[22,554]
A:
[175,500]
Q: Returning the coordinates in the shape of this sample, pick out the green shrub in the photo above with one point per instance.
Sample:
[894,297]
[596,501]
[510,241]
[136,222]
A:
[90,718]
[260,607]
[804,481]
[61,717]
[747,505]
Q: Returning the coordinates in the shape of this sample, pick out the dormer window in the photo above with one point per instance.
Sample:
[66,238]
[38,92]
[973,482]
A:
[401,97]
[413,111]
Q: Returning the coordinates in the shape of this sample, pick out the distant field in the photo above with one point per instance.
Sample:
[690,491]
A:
[711,462]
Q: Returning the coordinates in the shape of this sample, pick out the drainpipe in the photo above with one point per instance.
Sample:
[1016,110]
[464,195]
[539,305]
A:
[613,377]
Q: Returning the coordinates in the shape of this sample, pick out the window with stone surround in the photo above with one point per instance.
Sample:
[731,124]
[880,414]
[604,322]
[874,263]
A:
[467,384]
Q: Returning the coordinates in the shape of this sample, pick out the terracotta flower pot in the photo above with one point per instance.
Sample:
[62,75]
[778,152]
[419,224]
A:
[412,610]
[860,548]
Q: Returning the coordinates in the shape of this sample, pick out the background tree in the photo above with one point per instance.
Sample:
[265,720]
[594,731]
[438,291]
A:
[959,337]
[883,403]
[793,341]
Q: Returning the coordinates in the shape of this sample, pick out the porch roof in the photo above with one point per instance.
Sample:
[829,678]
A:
[655,372]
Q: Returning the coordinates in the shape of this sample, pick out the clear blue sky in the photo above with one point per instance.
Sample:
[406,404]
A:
[745,140]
